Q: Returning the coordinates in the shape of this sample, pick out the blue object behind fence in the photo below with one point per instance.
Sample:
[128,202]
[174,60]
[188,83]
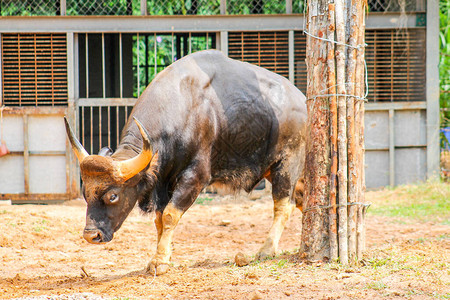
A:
[446,132]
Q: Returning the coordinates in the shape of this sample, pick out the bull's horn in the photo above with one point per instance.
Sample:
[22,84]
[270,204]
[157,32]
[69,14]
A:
[130,167]
[79,150]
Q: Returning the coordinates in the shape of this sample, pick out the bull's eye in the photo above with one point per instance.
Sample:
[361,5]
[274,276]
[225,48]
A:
[113,198]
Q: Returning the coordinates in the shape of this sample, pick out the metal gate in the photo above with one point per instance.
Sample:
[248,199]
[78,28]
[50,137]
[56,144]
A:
[115,68]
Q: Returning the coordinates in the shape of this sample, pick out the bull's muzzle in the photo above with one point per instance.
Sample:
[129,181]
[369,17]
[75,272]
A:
[93,236]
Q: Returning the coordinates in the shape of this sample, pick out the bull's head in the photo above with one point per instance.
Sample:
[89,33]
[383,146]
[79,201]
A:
[111,186]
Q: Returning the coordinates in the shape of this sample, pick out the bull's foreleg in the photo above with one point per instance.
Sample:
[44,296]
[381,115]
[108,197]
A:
[187,189]
[165,224]
[282,211]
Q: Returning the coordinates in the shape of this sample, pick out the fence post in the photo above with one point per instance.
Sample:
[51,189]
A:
[143,7]
[62,8]
[333,208]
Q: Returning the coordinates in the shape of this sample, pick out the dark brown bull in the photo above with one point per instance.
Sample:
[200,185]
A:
[205,119]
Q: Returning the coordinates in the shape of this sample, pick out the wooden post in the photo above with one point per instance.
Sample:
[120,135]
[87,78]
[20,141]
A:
[359,132]
[351,147]
[335,145]
[315,236]
[342,132]
[333,134]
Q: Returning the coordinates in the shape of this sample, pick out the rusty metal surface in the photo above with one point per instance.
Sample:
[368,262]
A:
[34,69]
[396,64]
[266,49]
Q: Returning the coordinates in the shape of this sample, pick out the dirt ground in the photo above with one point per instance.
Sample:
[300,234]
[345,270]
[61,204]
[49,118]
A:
[42,252]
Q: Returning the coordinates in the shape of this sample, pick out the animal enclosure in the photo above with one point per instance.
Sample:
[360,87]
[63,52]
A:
[93,60]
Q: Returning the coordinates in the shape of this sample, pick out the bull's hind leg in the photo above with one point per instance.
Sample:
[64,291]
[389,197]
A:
[282,210]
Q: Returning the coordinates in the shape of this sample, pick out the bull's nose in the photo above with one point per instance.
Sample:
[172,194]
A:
[93,236]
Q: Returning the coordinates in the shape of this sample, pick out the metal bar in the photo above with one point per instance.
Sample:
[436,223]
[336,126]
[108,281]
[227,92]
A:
[100,128]
[120,65]
[35,71]
[87,102]
[173,52]
[87,66]
[83,130]
[224,42]
[155,56]
[35,198]
[26,155]
[190,42]
[138,63]
[207,41]
[20,67]
[395,105]
[47,153]
[91,24]
[223,7]
[103,66]
[291,56]
[62,7]
[144,7]
[289,6]
[1,70]
[32,110]
[52,69]
[72,176]
[91,125]
[109,126]
[146,66]
[117,126]
[39,153]
[432,88]
[391,149]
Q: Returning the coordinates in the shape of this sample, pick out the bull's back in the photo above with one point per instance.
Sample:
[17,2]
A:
[245,116]
[262,117]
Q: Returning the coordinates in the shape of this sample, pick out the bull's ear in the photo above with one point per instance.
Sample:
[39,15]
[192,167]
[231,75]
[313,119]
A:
[128,168]
[77,148]
[105,151]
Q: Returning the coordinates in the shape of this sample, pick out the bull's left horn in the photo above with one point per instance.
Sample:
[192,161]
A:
[128,168]
[78,149]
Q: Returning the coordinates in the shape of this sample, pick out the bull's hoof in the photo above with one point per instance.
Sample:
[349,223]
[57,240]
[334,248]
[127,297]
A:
[154,269]
[265,254]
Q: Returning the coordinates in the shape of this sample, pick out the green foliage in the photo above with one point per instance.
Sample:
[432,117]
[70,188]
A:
[203,200]
[444,64]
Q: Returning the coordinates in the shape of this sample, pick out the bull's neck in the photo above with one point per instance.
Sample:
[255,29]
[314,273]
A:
[125,151]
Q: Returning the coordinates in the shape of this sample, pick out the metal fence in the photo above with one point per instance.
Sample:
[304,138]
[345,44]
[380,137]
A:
[175,7]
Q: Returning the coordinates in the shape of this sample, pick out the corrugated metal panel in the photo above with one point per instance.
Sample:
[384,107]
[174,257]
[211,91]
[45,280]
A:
[396,64]
[34,69]
[268,49]
[300,61]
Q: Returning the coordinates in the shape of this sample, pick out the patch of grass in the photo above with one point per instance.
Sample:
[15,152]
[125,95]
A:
[422,202]
[445,236]
[203,200]
[376,285]
[40,225]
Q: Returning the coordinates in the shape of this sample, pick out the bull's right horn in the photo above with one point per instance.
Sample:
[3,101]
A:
[77,148]
[130,167]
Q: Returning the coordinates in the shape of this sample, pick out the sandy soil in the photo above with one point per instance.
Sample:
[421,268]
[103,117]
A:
[42,252]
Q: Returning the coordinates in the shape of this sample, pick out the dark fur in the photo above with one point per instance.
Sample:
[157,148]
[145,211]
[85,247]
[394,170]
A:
[212,120]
